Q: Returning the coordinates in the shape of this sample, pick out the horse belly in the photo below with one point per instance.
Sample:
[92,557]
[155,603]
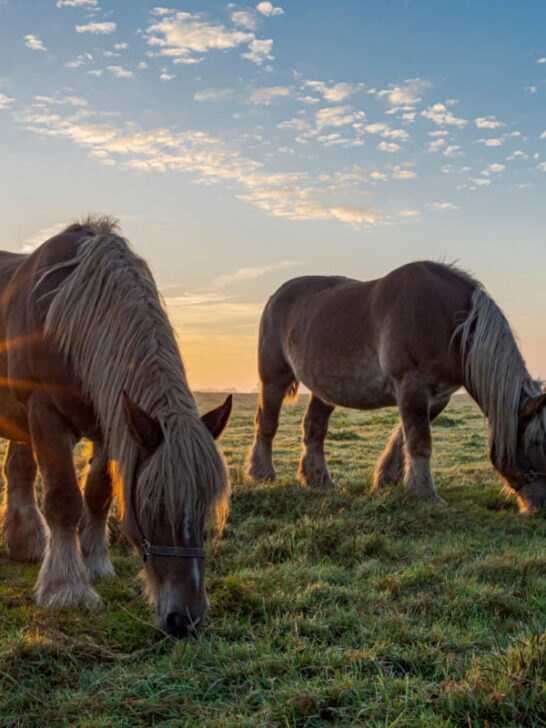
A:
[358,385]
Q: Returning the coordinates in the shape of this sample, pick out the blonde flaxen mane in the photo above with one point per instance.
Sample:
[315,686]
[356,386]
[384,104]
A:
[496,376]
[108,319]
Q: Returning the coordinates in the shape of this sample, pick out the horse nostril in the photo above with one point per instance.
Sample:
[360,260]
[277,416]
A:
[179,625]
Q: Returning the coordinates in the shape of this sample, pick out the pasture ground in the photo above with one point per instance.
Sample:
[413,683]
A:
[343,608]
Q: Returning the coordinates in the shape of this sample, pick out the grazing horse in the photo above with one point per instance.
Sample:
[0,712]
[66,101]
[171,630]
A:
[88,351]
[409,339]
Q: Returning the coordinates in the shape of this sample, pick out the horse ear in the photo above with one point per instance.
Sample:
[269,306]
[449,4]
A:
[216,420]
[531,407]
[145,430]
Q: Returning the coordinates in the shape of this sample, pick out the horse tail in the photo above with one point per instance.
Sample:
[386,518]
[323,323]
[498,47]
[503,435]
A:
[292,391]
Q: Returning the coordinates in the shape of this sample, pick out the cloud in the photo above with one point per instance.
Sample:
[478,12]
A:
[543,135]
[96,28]
[439,114]
[407,94]
[245,19]
[442,206]
[494,168]
[34,43]
[492,142]
[121,46]
[336,92]
[250,273]
[337,116]
[487,122]
[542,166]
[119,71]
[180,35]
[453,150]
[259,51]
[5,101]
[541,60]
[480,181]
[77,3]
[166,76]
[388,147]
[211,160]
[212,94]
[266,8]
[268,95]
[385,130]
[399,173]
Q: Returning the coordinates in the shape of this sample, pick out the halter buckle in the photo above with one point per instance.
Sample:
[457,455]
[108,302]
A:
[146,548]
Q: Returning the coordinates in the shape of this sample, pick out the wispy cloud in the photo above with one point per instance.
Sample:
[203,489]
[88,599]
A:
[5,101]
[96,28]
[268,95]
[77,3]
[441,115]
[213,94]
[119,71]
[250,273]
[334,92]
[34,43]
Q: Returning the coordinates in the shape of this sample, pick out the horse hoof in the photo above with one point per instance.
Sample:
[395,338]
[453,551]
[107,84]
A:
[67,595]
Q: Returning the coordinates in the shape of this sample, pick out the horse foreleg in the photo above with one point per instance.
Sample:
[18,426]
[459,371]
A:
[415,413]
[259,465]
[23,526]
[93,527]
[391,465]
[313,469]
[62,580]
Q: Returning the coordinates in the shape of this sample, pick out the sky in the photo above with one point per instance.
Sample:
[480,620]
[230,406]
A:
[241,145]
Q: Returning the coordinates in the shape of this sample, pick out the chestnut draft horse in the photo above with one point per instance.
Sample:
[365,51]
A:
[87,351]
[409,339]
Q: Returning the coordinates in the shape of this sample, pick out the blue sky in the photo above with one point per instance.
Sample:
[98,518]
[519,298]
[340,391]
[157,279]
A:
[243,144]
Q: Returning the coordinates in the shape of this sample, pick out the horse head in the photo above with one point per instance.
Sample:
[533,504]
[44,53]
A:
[185,472]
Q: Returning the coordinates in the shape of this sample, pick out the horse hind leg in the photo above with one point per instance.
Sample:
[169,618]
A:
[313,470]
[390,466]
[259,465]
[22,523]
[93,526]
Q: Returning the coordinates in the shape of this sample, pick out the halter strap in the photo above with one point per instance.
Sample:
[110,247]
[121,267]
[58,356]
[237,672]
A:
[529,474]
[149,549]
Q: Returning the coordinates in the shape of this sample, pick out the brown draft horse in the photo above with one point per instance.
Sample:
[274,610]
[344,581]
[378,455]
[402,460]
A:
[409,339]
[87,351]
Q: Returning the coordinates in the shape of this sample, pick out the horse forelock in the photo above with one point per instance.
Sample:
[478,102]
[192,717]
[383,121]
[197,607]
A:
[496,376]
[108,319]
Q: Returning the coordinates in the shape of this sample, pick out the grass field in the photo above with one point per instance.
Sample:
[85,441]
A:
[343,608]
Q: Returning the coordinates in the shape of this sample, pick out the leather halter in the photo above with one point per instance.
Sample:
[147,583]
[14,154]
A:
[529,475]
[149,549]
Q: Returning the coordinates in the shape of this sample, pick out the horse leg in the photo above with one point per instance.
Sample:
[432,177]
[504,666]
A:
[23,525]
[259,464]
[313,469]
[390,466]
[93,527]
[62,580]
[414,403]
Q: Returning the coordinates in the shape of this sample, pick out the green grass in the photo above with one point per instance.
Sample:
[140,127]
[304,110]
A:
[338,609]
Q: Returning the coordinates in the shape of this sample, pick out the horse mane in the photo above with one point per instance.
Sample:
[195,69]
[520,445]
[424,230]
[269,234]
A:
[497,377]
[108,318]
